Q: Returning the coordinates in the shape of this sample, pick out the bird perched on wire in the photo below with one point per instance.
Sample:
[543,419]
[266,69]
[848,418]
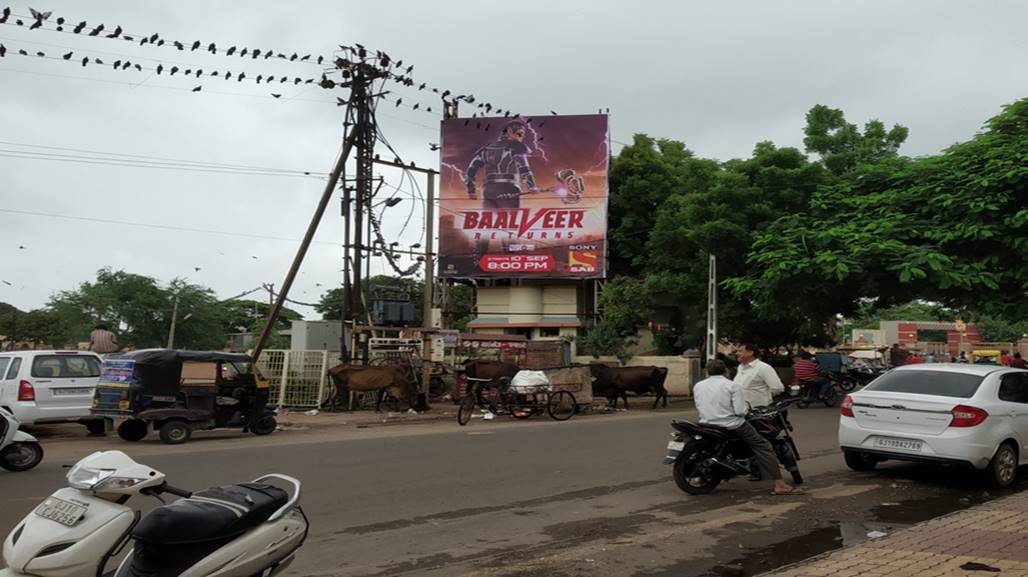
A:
[68,56]
[197,89]
[5,15]
[96,31]
[196,45]
[116,33]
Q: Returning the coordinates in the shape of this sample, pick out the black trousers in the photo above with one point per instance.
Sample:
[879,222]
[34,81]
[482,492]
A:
[762,451]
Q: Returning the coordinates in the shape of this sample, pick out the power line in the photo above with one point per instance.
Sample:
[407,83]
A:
[169,159]
[127,163]
[160,226]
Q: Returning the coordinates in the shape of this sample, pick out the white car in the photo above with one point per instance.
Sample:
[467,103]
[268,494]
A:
[50,386]
[973,415]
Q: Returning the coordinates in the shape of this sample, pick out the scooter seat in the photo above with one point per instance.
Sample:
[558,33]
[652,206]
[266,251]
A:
[211,514]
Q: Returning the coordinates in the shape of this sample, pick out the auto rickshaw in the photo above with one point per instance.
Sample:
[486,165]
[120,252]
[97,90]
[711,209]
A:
[984,357]
[178,392]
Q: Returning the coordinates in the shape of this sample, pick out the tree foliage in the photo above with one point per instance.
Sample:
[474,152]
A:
[948,228]
[842,146]
[139,310]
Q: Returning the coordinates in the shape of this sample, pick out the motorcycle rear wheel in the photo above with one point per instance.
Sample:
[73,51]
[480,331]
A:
[847,384]
[689,480]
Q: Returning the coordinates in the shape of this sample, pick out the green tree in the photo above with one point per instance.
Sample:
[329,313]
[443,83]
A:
[949,228]
[134,306]
[842,146]
[642,177]
[722,217]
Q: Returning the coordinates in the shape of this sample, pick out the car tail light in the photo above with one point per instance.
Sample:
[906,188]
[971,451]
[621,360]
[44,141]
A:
[846,408]
[965,416]
[26,392]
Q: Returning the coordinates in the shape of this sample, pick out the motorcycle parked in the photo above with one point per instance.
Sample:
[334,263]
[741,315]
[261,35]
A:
[237,530]
[19,451]
[809,393]
[704,455]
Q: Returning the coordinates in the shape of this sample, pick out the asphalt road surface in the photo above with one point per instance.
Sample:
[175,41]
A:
[584,497]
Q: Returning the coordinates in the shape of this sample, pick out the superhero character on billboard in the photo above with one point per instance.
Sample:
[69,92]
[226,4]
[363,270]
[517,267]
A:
[505,163]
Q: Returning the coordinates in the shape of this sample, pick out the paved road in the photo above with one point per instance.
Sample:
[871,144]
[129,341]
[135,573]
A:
[585,497]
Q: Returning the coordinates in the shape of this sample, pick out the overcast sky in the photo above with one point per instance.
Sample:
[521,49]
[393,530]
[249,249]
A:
[719,76]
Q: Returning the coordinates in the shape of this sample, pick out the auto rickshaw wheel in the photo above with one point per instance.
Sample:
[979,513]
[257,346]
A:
[175,432]
[264,425]
[132,430]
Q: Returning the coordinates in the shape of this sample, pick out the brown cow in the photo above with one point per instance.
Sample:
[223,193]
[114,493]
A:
[393,380]
[488,369]
[614,382]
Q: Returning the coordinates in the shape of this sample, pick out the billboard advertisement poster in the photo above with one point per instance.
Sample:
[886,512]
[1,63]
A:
[523,198]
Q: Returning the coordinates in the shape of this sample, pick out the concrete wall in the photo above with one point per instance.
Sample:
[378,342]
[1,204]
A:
[682,373]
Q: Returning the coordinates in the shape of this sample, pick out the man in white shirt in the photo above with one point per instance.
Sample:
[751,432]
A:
[722,402]
[757,379]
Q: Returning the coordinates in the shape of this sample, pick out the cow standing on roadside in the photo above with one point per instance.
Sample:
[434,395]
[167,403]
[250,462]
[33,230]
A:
[616,382]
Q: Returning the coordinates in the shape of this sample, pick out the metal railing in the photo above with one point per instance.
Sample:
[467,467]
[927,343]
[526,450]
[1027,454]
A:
[297,378]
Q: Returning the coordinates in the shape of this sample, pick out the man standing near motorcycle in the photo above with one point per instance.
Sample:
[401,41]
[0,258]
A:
[722,402]
[758,380]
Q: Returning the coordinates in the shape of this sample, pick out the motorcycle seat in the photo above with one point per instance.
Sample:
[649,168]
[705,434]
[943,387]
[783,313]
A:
[702,428]
[212,514]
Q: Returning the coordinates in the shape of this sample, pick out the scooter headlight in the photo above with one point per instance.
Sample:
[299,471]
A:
[117,483]
[86,478]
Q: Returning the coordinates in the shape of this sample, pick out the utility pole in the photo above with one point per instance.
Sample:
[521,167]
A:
[712,310]
[361,130]
[426,321]
[174,316]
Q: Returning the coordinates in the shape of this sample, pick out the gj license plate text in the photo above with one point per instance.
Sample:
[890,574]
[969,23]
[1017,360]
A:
[675,445]
[64,512]
[905,444]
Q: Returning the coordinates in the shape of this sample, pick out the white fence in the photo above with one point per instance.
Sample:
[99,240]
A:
[297,378]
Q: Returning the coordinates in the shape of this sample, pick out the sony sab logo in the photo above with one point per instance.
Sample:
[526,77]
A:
[583,260]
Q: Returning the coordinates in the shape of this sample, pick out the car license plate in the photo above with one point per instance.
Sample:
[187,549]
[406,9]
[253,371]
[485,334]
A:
[905,444]
[675,445]
[64,512]
[71,392]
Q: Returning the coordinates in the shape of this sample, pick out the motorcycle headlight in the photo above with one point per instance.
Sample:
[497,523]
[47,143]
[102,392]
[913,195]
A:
[85,478]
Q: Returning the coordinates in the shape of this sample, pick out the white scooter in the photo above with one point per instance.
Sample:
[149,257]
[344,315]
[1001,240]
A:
[243,530]
[19,451]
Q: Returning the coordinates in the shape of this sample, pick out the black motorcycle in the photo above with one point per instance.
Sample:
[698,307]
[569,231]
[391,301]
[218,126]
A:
[810,393]
[705,455]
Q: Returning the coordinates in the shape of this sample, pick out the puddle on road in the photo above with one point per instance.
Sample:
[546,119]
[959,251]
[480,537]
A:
[883,519]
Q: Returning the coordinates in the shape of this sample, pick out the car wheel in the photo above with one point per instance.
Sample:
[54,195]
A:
[1003,467]
[859,461]
[132,430]
[175,432]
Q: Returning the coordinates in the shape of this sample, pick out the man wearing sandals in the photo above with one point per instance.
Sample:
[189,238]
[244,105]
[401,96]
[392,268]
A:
[722,402]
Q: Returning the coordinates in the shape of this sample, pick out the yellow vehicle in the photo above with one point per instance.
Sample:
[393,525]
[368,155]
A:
[984,357]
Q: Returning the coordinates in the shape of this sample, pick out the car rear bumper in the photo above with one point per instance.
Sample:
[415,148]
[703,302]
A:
[954,445]
[28,413]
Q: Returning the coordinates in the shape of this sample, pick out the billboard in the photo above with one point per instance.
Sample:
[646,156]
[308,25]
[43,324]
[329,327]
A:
[523,198]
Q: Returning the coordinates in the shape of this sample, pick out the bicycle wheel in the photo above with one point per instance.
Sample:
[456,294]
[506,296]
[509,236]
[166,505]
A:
[466,410]
[561,405]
